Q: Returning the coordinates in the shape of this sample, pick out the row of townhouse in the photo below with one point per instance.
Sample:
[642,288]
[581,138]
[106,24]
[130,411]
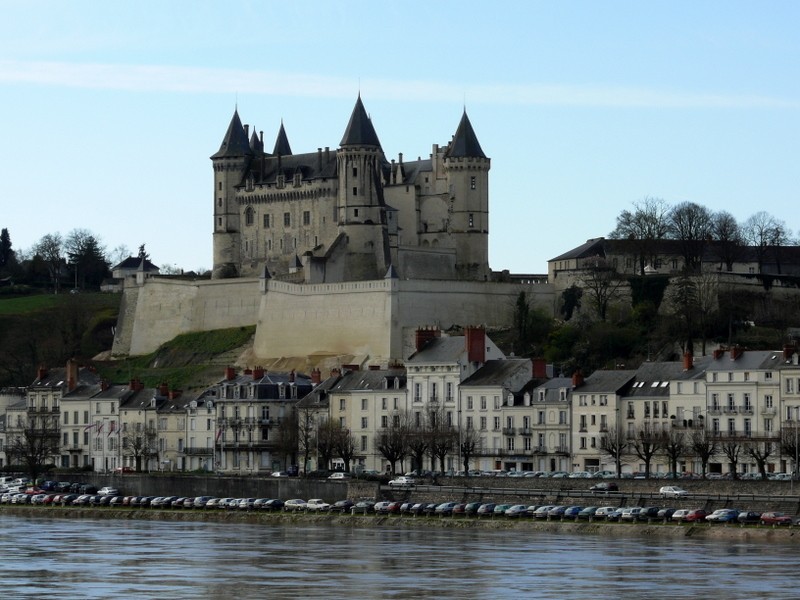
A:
[501,413]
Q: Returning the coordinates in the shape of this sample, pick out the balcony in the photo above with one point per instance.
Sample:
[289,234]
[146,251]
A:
[73,448]
[525,431]
[715,410]
[729,410]
[540,449]
[746,409]
[768,410]
[562,450]
[433,399]
[509,431]
[630,415]
[197,451]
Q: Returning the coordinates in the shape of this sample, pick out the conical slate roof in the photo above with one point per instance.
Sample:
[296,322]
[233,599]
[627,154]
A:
[465,143]
[360,131]
[256,145]
[235,142]
[282,143]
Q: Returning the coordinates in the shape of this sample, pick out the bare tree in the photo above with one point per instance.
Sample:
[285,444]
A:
[646,445]
[326,442]
[305,433]
[392,444]
[728,238]
[691,225]
[418,442]
[615,444]
[644,227]
[346,446]
[704,447]
[34,445]
[50,249]
[287,440]
[141,444]
[673,447]
[601,284]
[761,230]
[443,437]
[760,451]
[789,444]
[732,449]
[470,445]
[707,304]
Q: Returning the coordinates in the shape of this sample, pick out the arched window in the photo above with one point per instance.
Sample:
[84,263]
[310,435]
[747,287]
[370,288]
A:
[249,215]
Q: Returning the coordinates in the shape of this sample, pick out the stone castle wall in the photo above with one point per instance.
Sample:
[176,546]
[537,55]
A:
[161,309]
[370,318]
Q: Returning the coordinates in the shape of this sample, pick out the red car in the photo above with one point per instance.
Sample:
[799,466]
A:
[695,516]
[775,518]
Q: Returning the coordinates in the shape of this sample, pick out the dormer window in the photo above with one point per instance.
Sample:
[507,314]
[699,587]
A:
[281,182]
[297,179]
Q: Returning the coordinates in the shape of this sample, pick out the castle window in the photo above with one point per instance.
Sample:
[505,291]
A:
[219,202]
[306,217]
[471,220]
[355,191]
[219,221]
[249,215]
[355,212]
[266,221]
[472,183]
[287,219]
[355,171]
[269,244]
[220,186]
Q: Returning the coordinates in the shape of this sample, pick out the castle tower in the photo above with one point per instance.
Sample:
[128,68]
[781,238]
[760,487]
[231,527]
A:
[230,164]
[360,204]
[467,172]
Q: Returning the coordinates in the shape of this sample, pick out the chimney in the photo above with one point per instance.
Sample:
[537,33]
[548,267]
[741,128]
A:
[351,367]
[41,373]
[163,390]
[319,159]
[291,376]
[258,373]
[736,352]
[577,379]
[424,336]
[335,372]
[539,368]
[135,385]
[788,351]
[718,353]
[175,394]
[327,154]
[248,371]
[316,377]
[475,339]
[688,361]
[103,385]
[247,131]
[72,374]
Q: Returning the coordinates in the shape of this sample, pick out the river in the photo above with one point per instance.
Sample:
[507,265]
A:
[68,558]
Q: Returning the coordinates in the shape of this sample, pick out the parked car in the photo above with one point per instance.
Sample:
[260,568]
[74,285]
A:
[650,512]
[749,517]
[317,505]
[247,504]
[518,510]
[402,481]
[630,513]
[342,506]
[294,505]
[605,475]
[572,512]
[121,470]
[604,487]
[273,504]
[541,512]
[108,491]
[614,515]
[486,510]
[775,518]
[587,513]
[364,507]
[694,516]
[672,491]
[339,476]
[445,509]
[580,475]
[722,515]
[666,513]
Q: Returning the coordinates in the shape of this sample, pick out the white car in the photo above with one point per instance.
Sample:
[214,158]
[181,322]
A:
[402,481]
[339,476]
[671,491]
[295,504]
[108,491]
[317,504]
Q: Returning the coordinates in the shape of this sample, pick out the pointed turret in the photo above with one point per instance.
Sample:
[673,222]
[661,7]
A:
[360,131]
[235,142]
[282,146]
[256,143]
[465,142]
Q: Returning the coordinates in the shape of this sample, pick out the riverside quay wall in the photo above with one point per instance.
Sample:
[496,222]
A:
[746,495]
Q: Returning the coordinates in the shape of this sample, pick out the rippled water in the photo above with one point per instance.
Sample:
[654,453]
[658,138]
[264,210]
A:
[152,559]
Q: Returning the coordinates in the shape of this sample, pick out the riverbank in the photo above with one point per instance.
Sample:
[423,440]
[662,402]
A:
[722,532]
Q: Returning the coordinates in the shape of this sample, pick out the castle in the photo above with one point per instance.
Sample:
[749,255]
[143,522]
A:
[336,253]
[350,214]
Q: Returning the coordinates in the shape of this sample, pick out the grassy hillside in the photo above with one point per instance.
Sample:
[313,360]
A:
[189,361]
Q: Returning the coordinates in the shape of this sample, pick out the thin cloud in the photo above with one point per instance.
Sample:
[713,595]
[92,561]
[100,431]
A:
[153,78]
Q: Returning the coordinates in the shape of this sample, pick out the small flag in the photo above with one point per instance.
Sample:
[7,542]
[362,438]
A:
[99,429]
[219,434]
[111,427]
[88,427]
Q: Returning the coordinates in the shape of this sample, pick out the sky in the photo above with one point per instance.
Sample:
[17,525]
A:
[111,110]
